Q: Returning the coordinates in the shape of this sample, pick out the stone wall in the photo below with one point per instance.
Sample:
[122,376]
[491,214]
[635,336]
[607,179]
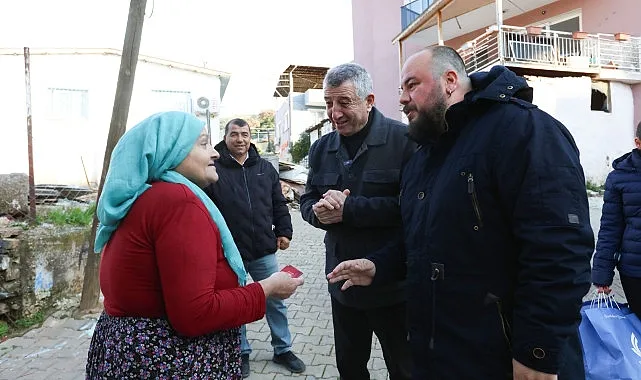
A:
[10,284]
[39,265]
[14,189]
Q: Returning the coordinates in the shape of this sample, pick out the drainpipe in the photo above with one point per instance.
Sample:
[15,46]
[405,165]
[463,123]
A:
[499,24]
[439,23]
[400,68]
[291,105]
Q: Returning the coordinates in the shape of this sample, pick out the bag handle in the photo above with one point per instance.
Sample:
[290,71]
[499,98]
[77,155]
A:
[602,300]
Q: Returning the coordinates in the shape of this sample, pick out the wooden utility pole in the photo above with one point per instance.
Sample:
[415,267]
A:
[124,89]
[32,186]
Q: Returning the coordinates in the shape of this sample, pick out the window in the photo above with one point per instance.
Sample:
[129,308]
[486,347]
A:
[546,48]
[571,25]
[600,97]
[168,100]
[567,22]
[65,103]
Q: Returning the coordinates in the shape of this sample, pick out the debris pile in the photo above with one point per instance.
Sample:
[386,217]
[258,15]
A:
[292,181]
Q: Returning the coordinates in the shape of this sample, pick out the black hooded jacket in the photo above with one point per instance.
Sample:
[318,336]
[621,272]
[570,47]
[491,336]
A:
[497,239]
[250,198]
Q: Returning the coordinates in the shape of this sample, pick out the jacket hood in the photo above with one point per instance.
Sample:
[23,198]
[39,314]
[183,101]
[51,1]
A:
[630,161]
[226,158]
[499,84]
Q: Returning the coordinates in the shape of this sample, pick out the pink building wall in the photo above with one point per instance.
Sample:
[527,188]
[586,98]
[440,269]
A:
[611,17]
[597,16]
[375,25]
[539,14]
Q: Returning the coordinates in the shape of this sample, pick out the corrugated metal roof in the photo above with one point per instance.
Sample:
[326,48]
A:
[304,78]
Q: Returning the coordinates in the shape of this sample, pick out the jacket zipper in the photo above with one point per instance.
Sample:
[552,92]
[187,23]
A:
[437,274]
[249,200]
[471,190]
[507,330]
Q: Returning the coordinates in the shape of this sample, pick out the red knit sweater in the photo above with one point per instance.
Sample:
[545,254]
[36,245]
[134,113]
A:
[166,260]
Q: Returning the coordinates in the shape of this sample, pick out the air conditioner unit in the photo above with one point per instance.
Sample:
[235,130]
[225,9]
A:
[202,103]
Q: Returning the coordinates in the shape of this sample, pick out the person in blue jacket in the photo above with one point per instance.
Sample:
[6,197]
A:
[619,242]
[496,229]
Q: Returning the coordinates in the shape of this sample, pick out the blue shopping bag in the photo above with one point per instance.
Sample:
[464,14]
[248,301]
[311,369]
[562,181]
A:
[610,335]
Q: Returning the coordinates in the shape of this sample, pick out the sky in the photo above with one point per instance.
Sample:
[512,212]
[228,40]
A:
[254,40]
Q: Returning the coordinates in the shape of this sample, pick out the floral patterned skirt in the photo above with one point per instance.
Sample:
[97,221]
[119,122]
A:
[146,348]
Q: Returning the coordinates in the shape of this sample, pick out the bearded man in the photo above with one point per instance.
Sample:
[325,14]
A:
[497,235]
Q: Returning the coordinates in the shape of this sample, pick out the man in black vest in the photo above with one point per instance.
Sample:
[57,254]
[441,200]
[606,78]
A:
[352,193]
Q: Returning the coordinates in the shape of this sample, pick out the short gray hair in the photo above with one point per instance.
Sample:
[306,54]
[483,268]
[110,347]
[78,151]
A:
[352,72]
[445,58]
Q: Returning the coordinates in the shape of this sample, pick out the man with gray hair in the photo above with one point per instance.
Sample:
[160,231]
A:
[497,237]
[352,193]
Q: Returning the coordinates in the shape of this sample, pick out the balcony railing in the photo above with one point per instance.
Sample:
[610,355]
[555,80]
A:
[411,11]
[554,49]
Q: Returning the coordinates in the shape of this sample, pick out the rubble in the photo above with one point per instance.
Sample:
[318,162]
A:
[14,190]
[292,179]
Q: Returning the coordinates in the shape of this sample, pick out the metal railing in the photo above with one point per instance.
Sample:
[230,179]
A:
[559,50]
[411,11]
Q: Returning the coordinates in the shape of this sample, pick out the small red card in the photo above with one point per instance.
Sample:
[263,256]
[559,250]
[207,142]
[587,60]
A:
[292,271]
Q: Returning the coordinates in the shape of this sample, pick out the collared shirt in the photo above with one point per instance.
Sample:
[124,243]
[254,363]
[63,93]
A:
[244,159]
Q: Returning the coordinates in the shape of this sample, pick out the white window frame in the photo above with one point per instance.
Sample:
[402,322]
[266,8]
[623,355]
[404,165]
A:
[599,85]
[56,114]
[545,24]
[187,94]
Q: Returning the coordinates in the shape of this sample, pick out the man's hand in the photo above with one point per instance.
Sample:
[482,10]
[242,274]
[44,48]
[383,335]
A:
[336,198]
[283,243]
[326,213]
[522,372]
[603,289]
[329,209]
[356,272]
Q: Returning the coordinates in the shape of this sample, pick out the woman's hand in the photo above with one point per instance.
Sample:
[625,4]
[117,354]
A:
[280,285]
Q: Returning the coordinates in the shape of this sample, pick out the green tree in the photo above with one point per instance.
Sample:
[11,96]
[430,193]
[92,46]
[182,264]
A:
[262,126]
[266,120]
[300,148]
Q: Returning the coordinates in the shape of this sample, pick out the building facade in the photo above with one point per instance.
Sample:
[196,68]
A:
[72,97]
[306,109]
[582,57]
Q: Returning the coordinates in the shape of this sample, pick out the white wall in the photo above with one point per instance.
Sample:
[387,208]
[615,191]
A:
[318,133]
[59,144]
[282,130]
[303,117]
[301,121]
[600,136]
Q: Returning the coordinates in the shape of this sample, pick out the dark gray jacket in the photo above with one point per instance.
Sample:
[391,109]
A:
[250,198]
[371,217]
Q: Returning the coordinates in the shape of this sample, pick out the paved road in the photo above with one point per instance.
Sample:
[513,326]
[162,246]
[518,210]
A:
[58,349]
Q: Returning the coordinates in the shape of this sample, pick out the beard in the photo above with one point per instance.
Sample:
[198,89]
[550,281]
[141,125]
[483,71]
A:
[430,124]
